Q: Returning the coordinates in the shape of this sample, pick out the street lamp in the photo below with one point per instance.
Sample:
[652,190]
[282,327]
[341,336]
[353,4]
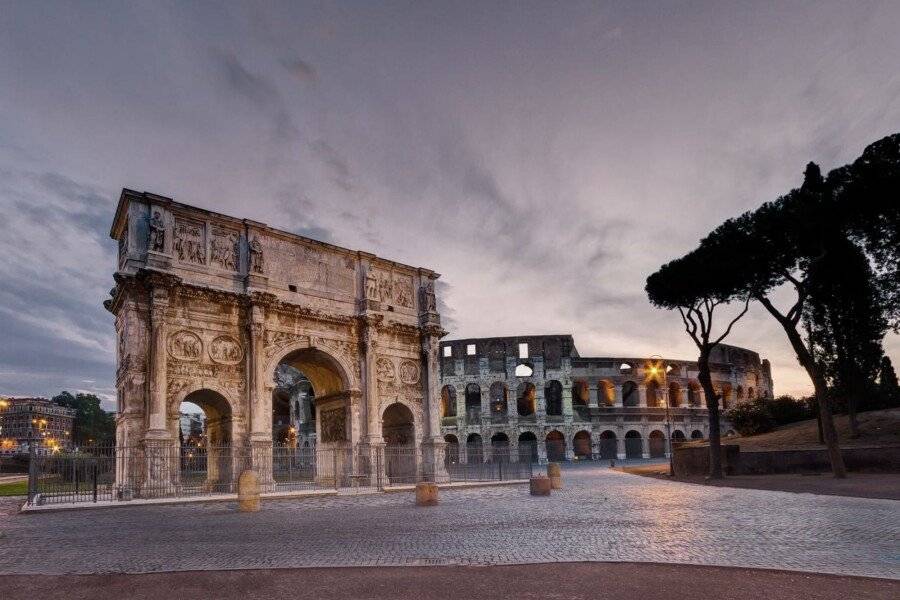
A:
[658,372]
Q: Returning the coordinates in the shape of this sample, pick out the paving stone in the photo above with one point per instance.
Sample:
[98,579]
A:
[600,515]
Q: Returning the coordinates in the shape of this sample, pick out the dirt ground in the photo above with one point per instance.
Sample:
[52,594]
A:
[859,485]
[562,580]
[877,428]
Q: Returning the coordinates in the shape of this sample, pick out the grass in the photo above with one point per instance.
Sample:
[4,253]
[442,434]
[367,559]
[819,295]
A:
[16,488]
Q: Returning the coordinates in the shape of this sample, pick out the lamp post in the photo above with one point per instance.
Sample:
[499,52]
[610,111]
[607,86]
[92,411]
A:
[659,372]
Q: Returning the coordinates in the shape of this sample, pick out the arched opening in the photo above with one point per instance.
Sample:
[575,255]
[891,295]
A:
[696,434]
[556,446]
[657,444]
[725,396]
[739,393]
[694,394]
[500,448]
[524,370]
[730,433]
[448,401]
[314,382]
[499,406]
[474,449]
[751,395]
[608,445]
[653,399]
[633,445]
[630,394]
[451,450]
[678,437]
[525,402]
[553,398]
[206,452]
[528,451]
[398,431]
[293,408]
[580,397]
[674,394]
[473,403]
[606,393]
[581,445]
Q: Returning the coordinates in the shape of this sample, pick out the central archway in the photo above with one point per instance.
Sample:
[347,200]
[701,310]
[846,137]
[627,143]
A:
[399,433]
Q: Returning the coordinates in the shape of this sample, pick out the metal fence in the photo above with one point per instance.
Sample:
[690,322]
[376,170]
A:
[123,473]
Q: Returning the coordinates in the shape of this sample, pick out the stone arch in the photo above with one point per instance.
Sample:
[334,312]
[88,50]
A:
[634,445]
[608,445]
[473,402]
[451,450]
[653,398]
[580,393]
[581,445]
[606,393]
[739,393]
[693,392]
[525,400]
[499,394]
[500,447]
[556,446]
[399,432]
[528,451]
[674,394]
[333,371]
[209,465]
[234,407]
[678,436]
[474,448]
[630,394]
[657,444]
[751,395]
[697,434]
[553,398]
[724,392]
[448,401]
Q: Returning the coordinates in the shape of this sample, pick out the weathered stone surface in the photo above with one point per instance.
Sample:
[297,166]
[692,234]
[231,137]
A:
[553,473]
[248,492]
[207,306]
[540,486]
[426,494]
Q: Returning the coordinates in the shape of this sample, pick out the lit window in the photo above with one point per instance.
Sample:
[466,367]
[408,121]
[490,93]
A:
[448,351]
[523,350]
[470,349]
[524,371]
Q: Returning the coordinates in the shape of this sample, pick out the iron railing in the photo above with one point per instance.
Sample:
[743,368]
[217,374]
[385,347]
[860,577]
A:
[123,473]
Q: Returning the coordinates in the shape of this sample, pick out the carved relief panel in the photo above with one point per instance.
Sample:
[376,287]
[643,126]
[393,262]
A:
[226,350]
[185,345]
[224,248]
[403,381]
[309,267]
[190,241]
[334,425]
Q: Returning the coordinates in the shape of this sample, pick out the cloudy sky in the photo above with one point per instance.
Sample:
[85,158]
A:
[544,157]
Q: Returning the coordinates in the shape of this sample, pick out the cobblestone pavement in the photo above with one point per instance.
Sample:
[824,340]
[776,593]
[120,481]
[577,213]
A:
[601,515]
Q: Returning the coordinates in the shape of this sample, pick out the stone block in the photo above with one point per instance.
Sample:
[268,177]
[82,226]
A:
[554,473]
[540,485]
[426,494]
[248,492]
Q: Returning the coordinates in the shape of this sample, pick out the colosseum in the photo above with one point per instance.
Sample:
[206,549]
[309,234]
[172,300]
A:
[535,397]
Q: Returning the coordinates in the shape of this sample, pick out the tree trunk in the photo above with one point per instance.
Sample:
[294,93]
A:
[712,404]
[829,433]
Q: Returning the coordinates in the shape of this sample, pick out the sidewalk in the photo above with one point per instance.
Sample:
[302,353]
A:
[575,581]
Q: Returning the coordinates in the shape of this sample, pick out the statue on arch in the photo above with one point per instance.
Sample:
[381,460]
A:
[157,233]
[256,256]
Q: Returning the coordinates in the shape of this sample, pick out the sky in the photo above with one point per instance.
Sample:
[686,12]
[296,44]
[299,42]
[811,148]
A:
[544,157]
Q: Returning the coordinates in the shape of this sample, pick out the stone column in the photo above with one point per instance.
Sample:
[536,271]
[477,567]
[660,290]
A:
[370,383]
[485,406]
[620,448]
[642,395]
[434,446]
[542,450]
[617,389]
[567,403]
[594,394]
[260,438]
[540,404]
[645,446]
[160,455]
[460,407]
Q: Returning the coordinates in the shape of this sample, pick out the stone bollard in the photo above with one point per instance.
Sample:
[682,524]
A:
[248,492]
[426,494]
[540,485]
[553,473]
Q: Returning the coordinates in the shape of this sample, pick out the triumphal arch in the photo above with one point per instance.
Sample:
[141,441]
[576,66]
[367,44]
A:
[207,306]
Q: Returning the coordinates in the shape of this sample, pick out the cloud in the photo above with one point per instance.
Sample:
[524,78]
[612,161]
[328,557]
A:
[300,69]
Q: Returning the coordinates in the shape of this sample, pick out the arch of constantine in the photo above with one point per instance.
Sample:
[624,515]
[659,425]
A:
[208,306]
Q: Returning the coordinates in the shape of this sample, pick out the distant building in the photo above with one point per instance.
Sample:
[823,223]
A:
[37,421]
[192,427]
